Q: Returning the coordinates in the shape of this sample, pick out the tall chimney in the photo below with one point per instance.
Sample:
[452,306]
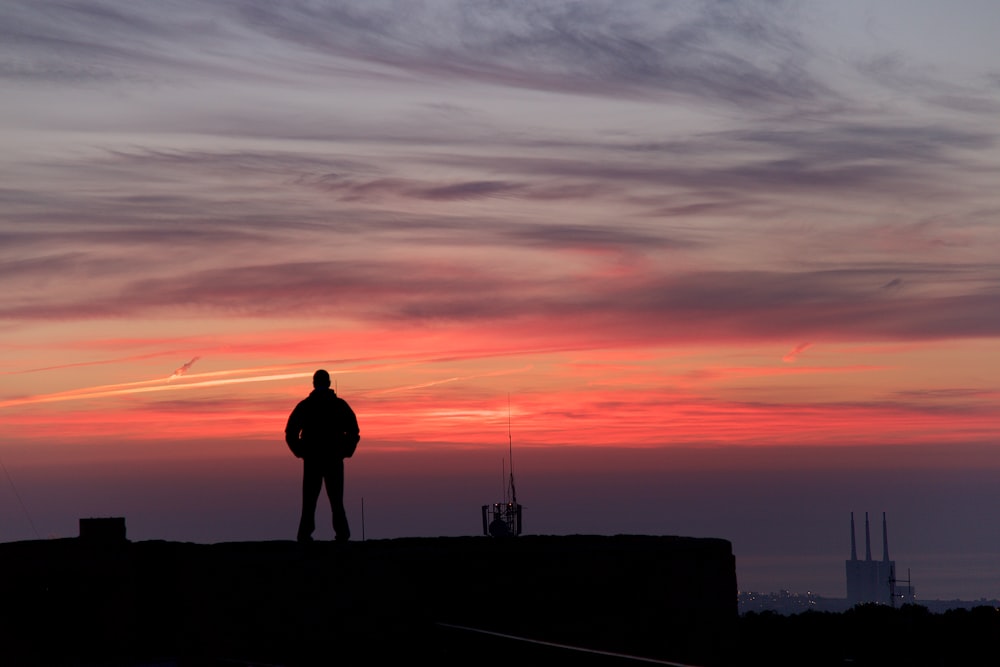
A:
[868,540]
[854,546]
[885,540]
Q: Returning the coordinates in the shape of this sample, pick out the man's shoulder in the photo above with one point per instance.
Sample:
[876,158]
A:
[321,399]
[302,405]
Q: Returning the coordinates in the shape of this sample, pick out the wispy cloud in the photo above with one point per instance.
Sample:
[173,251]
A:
[423,206]
[793,355]
[721,306]
[183,369]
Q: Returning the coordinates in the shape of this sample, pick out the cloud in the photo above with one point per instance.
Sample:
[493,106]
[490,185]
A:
[640,304]
[793,354]
[774,165]
[470,190]
[183,369]
[388,216]
[717,52]
[594,48]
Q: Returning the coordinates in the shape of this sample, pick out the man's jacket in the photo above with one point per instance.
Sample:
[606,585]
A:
[322,425]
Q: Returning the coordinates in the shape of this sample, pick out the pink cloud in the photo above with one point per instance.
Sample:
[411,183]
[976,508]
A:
[794,353]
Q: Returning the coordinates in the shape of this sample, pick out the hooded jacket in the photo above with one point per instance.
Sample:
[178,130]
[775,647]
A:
[322,425]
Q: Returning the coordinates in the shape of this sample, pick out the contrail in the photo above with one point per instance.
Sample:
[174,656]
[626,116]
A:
[220,378]
[796,351]
[143,388]
[183,369]
[190,381]
[82,364]
[447,380]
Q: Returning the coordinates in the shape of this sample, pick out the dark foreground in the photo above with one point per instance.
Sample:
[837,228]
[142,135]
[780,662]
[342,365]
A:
[77,602]
[870,635]
[427,601]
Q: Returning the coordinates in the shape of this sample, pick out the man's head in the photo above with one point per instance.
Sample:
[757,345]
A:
[321,379]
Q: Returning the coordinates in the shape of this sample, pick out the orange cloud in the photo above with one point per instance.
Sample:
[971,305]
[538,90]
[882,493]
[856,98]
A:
[793,355]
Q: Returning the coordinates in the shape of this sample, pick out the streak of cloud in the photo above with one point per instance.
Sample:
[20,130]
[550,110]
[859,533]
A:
[793,355]
[183,369]
[701,305]
[243,376]
[144,387]
[433,383]
[593,48]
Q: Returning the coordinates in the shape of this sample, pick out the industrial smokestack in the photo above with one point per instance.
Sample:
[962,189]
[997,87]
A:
[854,546]
[885,540]
[868,540]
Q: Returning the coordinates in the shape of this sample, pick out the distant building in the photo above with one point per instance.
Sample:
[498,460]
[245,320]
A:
[874,581]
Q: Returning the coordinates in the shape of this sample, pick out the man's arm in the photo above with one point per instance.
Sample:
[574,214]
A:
[292,431]
[352,433]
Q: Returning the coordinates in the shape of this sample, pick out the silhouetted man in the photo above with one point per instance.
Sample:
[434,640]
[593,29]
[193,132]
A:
[322,431]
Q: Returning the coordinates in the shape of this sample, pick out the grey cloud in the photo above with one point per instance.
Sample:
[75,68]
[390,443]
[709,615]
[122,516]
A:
[973,104]
[717,51]
[63,42]
[349,188]
[597,48]
[898,73]
[895,71]
[319,289]
[757,177]
[845,143]
[848,304]
[54,71]
[569,235]
[282,163]
[721,204]
[864,158]
[97,229]
[811,305]
[470,190]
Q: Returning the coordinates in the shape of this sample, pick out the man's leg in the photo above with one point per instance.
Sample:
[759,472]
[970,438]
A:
[334,475]
[312,480]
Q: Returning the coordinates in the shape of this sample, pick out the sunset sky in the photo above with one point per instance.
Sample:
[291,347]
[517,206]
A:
[725,269]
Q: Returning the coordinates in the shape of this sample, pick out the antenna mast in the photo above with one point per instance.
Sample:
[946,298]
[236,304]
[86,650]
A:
[503,479]
[510,445]
[504,519]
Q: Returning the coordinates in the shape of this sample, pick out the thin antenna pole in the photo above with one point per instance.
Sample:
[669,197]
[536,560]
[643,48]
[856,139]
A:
[20,502]
[503,479]
[510,437]
[510,445]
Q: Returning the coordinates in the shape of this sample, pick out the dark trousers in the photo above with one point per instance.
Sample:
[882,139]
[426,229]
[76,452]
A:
[316,472]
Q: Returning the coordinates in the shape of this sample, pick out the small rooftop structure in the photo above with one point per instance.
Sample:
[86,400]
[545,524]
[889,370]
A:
[503,519]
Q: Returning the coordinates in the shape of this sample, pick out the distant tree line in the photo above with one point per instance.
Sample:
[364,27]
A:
[868,635]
